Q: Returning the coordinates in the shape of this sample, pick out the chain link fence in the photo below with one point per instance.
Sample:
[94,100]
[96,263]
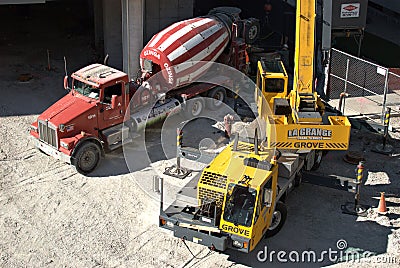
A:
[360,87]
[393,91]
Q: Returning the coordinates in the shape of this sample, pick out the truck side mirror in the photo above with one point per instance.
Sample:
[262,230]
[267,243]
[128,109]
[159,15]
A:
[66,86]
[267,197]
[113,101]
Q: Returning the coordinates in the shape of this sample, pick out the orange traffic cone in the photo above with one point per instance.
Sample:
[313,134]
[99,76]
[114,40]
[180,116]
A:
[382,204]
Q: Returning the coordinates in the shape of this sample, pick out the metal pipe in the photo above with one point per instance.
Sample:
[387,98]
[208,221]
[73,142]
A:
[179,135]
[255,141]
[235,142]
[385,92]
[386,125]
[360,43]
[360,169]
[48,60]
[161,181]
[345,84]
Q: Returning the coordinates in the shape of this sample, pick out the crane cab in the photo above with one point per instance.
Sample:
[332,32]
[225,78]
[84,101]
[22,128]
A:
[272,83]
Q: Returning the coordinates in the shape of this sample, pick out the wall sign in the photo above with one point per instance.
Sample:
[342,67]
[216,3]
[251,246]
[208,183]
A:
[351,10]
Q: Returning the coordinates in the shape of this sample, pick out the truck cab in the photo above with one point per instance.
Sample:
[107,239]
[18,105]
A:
[108,87]
[76,128]
[238,200]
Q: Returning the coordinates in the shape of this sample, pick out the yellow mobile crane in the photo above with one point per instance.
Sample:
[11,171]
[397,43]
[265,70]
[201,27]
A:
[298,119]
[241,193]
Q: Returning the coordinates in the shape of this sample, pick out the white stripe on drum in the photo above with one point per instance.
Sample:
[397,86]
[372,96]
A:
[191,76]
[158,36]
[203,54]
[191,43]
[175,36]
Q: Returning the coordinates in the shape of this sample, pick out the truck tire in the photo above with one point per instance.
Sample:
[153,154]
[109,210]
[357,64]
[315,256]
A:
[87,157]
[278,219]
[298,178]
[251,31]
[216,98]
[194,107]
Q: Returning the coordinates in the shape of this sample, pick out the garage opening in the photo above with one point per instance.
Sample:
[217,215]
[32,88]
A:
[34,38]
[65,28]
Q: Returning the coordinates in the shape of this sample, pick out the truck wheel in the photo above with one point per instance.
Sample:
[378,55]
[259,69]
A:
[317,159]
[87,158]
[297,179]
[193,108]
[216,98]
[278,219]
[251,31]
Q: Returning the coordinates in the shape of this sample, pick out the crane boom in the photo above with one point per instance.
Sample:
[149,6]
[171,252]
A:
[298,119]
[304,47]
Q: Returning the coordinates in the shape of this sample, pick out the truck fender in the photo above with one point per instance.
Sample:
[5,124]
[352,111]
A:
[83,140]
[283,197]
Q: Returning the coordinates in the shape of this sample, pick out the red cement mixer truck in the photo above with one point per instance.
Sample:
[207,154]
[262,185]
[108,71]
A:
[90,120]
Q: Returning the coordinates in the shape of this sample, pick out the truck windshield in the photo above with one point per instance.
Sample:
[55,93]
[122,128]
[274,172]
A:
[86,90]
[239,207]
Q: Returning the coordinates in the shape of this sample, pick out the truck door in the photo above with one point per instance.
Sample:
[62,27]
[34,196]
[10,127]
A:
[263,210]
[112,116]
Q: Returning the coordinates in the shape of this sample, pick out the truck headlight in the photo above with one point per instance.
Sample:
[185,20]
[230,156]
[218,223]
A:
[33,128]
[64,145]
[237,244]
[167,223]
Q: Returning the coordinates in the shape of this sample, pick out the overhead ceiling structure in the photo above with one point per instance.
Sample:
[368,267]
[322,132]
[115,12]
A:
[19,2]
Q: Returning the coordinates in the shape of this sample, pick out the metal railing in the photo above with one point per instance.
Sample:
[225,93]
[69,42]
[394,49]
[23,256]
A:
[360,87]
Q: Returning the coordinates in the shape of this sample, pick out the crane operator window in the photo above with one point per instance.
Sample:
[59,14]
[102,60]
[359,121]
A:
[274,85]
[239,207]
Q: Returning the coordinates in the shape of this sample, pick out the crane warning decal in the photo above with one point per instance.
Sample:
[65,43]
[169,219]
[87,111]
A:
[321,137]
[310,145]
[351,10]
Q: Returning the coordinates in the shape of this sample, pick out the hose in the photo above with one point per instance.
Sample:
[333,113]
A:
[194,256]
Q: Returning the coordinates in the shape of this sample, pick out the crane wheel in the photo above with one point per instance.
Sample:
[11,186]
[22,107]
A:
[317,159]
[278,219]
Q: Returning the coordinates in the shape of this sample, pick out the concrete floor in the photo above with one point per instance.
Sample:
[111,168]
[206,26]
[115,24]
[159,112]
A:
[52,216]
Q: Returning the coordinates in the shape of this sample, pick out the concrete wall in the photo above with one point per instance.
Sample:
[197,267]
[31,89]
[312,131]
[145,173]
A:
[141,19]
[127,25]
[112,28]
[391,5]
[162,13]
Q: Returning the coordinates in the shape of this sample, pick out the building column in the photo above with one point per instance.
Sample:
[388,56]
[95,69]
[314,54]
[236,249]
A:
[112,28]
[132,34]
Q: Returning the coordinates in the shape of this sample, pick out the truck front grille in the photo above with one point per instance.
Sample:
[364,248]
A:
[244,146]
[211,187]
[208,196]
[47,134]
[213,179]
